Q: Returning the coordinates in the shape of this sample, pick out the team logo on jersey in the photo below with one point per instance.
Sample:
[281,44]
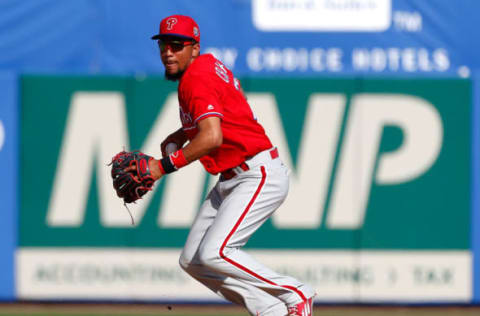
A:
[186,118]
[171,22]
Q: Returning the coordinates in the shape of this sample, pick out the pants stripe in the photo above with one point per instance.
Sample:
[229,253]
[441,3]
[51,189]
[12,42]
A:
[237,224]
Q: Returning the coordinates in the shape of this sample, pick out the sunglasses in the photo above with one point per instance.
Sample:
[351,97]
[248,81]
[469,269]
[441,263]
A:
[174,46]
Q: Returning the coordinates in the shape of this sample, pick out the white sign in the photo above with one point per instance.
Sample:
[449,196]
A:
[154,274]
[322,15]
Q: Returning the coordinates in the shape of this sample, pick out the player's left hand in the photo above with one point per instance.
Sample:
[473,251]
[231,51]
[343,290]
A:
[133,174]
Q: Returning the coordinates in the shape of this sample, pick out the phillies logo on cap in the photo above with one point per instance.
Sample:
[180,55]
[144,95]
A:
[179,26]
[170,23]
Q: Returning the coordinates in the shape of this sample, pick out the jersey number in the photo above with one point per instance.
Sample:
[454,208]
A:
[222,71]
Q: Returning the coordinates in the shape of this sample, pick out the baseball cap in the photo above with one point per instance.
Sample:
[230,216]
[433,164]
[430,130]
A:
[179,26]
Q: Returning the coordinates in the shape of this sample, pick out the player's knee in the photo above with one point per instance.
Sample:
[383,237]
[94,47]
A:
[184,262]
[208,256]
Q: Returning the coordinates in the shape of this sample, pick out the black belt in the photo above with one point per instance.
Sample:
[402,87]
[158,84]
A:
[232,172]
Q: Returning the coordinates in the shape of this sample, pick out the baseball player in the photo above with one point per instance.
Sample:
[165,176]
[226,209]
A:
[220,130]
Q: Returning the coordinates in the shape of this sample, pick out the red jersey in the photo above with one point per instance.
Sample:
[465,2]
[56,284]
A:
[208,88]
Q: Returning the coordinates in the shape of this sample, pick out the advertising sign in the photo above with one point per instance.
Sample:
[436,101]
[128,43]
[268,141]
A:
[300,38]
[380,171]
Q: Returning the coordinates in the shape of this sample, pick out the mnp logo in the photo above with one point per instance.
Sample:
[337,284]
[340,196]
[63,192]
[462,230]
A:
[359,164]
[372,161]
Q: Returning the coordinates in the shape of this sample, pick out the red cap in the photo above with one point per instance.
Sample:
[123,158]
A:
[179,26]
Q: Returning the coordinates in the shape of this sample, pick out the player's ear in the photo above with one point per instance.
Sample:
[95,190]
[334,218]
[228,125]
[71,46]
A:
[196,50]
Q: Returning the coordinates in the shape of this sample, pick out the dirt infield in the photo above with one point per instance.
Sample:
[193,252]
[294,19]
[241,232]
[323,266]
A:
[56,309]
[117,309]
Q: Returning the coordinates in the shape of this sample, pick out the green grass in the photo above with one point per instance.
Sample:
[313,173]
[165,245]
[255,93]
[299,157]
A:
[110,314]
[163,310]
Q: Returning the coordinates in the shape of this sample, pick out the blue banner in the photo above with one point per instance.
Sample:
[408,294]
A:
[8,185]
[253,37]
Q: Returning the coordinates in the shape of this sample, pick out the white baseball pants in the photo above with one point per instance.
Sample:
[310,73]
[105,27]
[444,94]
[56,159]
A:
[232,212]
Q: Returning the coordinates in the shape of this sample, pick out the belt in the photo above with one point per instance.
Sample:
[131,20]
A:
[232,172]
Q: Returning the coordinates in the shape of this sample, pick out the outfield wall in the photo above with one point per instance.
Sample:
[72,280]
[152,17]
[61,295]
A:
[346,236]
[379,123]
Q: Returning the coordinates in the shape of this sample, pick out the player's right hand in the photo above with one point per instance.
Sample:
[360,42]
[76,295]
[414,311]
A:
[177,138]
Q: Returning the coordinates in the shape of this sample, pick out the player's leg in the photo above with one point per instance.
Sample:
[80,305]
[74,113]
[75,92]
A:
[255,300]
[249,200]
[200,226]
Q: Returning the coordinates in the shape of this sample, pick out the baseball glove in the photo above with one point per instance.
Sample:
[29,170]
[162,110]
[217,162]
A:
[131,185]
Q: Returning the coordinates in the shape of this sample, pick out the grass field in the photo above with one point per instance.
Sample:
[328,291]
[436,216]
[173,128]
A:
[23,309]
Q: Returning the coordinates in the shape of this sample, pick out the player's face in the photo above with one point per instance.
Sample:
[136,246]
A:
[177,55]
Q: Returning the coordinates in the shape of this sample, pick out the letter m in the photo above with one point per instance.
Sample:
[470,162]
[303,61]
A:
[95,130]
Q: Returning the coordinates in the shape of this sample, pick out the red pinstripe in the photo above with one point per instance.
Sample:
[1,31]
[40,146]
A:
[237,224]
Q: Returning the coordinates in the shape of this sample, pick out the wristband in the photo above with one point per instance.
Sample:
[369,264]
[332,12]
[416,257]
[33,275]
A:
[160,166]
[172,162]
[178,159]
[167,165]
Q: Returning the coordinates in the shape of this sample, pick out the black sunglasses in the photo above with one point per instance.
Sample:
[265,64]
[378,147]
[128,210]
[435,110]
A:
[175,46]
